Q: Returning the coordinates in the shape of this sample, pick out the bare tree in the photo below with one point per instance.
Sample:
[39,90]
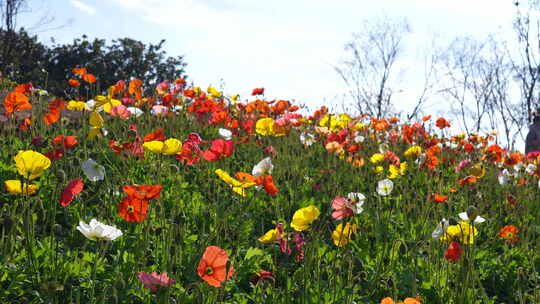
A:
[369,68]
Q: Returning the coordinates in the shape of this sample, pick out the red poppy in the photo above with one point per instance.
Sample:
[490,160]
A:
[132,209]
[257,91]
[157,135]
[453,253]
[143,192]
[67,142]
[73,188]
[426,118]
[220,148]
[213,266]
[442,123]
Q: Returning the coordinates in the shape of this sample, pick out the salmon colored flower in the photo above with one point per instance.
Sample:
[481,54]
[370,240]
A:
[143,192]
[389,300]
[14,186]
[79,71]
[213,266]
[439,198]
[342,208]
[132,209]
[509,233]
[31,164]
[90,78]
[220,148]
[155,281]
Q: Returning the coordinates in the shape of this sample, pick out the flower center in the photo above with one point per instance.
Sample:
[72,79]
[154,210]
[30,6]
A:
[209,270]
[130,209]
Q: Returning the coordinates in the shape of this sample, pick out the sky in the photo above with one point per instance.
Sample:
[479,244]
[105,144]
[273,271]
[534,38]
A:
[289,47]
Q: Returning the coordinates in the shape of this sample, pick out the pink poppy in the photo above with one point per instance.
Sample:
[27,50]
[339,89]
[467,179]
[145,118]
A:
[120,111]
[342,208]
[160,110]
[154,281]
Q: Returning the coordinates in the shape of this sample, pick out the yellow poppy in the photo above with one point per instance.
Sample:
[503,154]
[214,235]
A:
[236,185]
[303,217]
[14,186]
[31,164]
[342,235]
[269,237]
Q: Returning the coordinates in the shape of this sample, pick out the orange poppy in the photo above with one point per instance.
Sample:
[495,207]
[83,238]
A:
[79,71]
[439,198]
[213,266]
[90,78]
[257,91]
[134,88]
[132,209]
[426,118]
[509,233]
[467,180]
[55,109]
[143,192]
[74,82]
[16,101]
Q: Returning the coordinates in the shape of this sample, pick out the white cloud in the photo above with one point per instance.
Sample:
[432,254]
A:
[83,7]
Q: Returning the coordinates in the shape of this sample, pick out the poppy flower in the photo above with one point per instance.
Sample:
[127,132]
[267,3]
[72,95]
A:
[303,217]
[31,164]
[55,110]
[219,148]
[439,198]
[90,78]
[156,135]
[154,281]
[132,209]
[385,187]
[261,275]
[98,231]
[236,185]
[14,186]
[73,188]
[269,237]
[79,71]
[342,234]
[93,171]
[453,253]
[509,233]
[389,300]
[257,91]
[143,192]
[342,208]
[213,266]
[15,101]
[442,123]
[74,83]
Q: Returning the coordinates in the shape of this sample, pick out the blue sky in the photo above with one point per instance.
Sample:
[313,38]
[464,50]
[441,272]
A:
[288,47]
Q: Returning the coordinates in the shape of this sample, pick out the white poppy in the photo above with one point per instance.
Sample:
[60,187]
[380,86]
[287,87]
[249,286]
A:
[98,231]
[359,139]
[503,177]
[477,220]
[530,168]
[264,167]
[385,187]
[307,139]
[358,201]
[93,170]
[135,111]
[225,133]
[441,229]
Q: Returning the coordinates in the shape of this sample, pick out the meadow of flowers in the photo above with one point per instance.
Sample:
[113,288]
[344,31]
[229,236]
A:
[194,196]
